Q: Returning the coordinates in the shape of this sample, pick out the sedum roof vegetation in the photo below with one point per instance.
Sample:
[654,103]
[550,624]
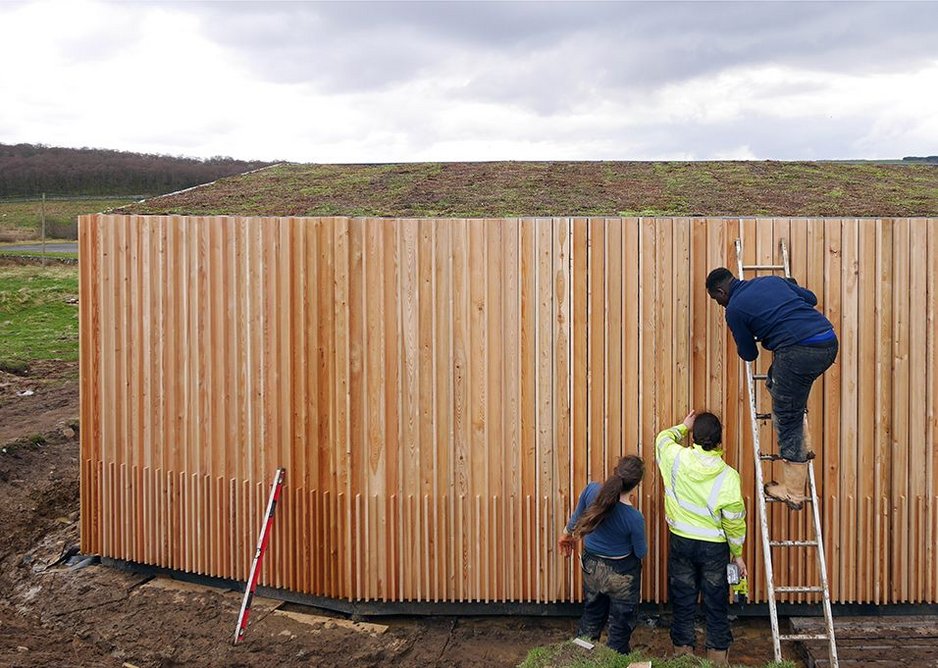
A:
[508,189]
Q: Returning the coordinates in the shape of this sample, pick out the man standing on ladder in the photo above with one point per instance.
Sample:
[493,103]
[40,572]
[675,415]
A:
[781,315]
[706,518]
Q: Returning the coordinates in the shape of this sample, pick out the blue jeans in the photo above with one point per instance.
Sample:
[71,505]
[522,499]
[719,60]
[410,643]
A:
[697,567]
[611,590]
[791,375]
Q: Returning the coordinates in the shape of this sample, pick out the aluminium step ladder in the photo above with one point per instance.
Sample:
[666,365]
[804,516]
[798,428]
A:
[767,544]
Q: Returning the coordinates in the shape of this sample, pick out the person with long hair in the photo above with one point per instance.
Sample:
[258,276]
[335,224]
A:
[614,544]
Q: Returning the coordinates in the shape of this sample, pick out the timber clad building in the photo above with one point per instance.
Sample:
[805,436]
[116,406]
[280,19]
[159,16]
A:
[440,390]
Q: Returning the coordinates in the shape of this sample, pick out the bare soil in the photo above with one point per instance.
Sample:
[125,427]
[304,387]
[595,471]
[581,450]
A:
[39,399]
[56,614]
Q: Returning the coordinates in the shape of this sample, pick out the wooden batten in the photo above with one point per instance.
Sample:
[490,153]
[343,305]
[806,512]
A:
[440,391]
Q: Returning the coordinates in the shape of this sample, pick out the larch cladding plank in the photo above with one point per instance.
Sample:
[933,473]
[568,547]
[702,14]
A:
[901,398]
[429,457]
[546,446]
[827,463]
[579,373]
[596,348]
[560,326]
[631,324]
[699,304]
[866,401]
[325,438]
[680,316]
[746,231]
[849,506]
[579,367]
[812,277]
[478,398]
[630,403]
[443,394]
[651,490]
[664,353]
[511,380]
[613,372]
[341,522]
[735,411]
[494,395]
[87,317]
[931,387]
[918,312]
[441,390]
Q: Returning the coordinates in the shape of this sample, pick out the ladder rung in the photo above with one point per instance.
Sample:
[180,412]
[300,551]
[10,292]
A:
[757,267]
[771,499]
[770,458]
[788,590]
[793,543]
[760,376]
[763,416]
[802,636]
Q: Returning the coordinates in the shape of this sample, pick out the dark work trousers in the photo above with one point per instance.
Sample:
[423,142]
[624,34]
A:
[611,589]
[698,567]
[794,369]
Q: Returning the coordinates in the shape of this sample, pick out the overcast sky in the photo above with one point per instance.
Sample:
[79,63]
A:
[449,81]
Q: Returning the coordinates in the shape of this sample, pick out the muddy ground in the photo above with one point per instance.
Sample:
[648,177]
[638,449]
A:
[57,615]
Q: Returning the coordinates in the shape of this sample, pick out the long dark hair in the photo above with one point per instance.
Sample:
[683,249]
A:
[626,476]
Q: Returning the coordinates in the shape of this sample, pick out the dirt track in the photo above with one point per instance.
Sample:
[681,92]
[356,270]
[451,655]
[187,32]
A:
[98,616]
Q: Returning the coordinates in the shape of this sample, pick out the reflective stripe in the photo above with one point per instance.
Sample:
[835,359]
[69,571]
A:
[696,531]
[691,507]
[668,435]
[733,516]
[715,491]
[736,541]
[674,469]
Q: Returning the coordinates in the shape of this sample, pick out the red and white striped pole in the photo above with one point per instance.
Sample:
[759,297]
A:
[262,541]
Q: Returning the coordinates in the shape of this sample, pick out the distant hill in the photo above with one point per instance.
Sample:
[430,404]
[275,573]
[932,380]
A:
[925,158]
[31,169]
[500,189]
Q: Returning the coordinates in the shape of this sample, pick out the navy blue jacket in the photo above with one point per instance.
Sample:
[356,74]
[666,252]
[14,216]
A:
[773,311]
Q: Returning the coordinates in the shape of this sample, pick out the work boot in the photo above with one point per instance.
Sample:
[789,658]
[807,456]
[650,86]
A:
[718,657]
[791,489]
[681,650]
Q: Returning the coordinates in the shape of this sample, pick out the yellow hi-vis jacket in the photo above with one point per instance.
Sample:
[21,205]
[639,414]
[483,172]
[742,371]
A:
[702,499]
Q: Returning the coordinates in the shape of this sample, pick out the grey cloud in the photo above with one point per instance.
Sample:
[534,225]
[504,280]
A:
[546,56]
[767,137]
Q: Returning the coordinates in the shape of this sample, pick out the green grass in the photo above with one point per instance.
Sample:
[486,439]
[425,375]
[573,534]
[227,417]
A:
[568,655]
[20,220]
[36,322]
[11,251]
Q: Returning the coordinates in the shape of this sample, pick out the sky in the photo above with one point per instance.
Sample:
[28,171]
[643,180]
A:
[372,82]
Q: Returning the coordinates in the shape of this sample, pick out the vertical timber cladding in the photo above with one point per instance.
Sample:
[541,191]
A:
[439,391]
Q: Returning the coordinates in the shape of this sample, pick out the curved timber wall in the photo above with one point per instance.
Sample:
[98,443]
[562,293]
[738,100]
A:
[439,392]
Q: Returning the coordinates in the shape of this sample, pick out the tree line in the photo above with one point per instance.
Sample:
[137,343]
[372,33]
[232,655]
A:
[32,169]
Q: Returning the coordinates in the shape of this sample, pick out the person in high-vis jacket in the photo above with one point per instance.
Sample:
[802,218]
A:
[706,519]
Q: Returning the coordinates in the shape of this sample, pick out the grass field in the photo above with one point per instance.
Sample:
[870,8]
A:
[20,220]
[568,655]
[36,320]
